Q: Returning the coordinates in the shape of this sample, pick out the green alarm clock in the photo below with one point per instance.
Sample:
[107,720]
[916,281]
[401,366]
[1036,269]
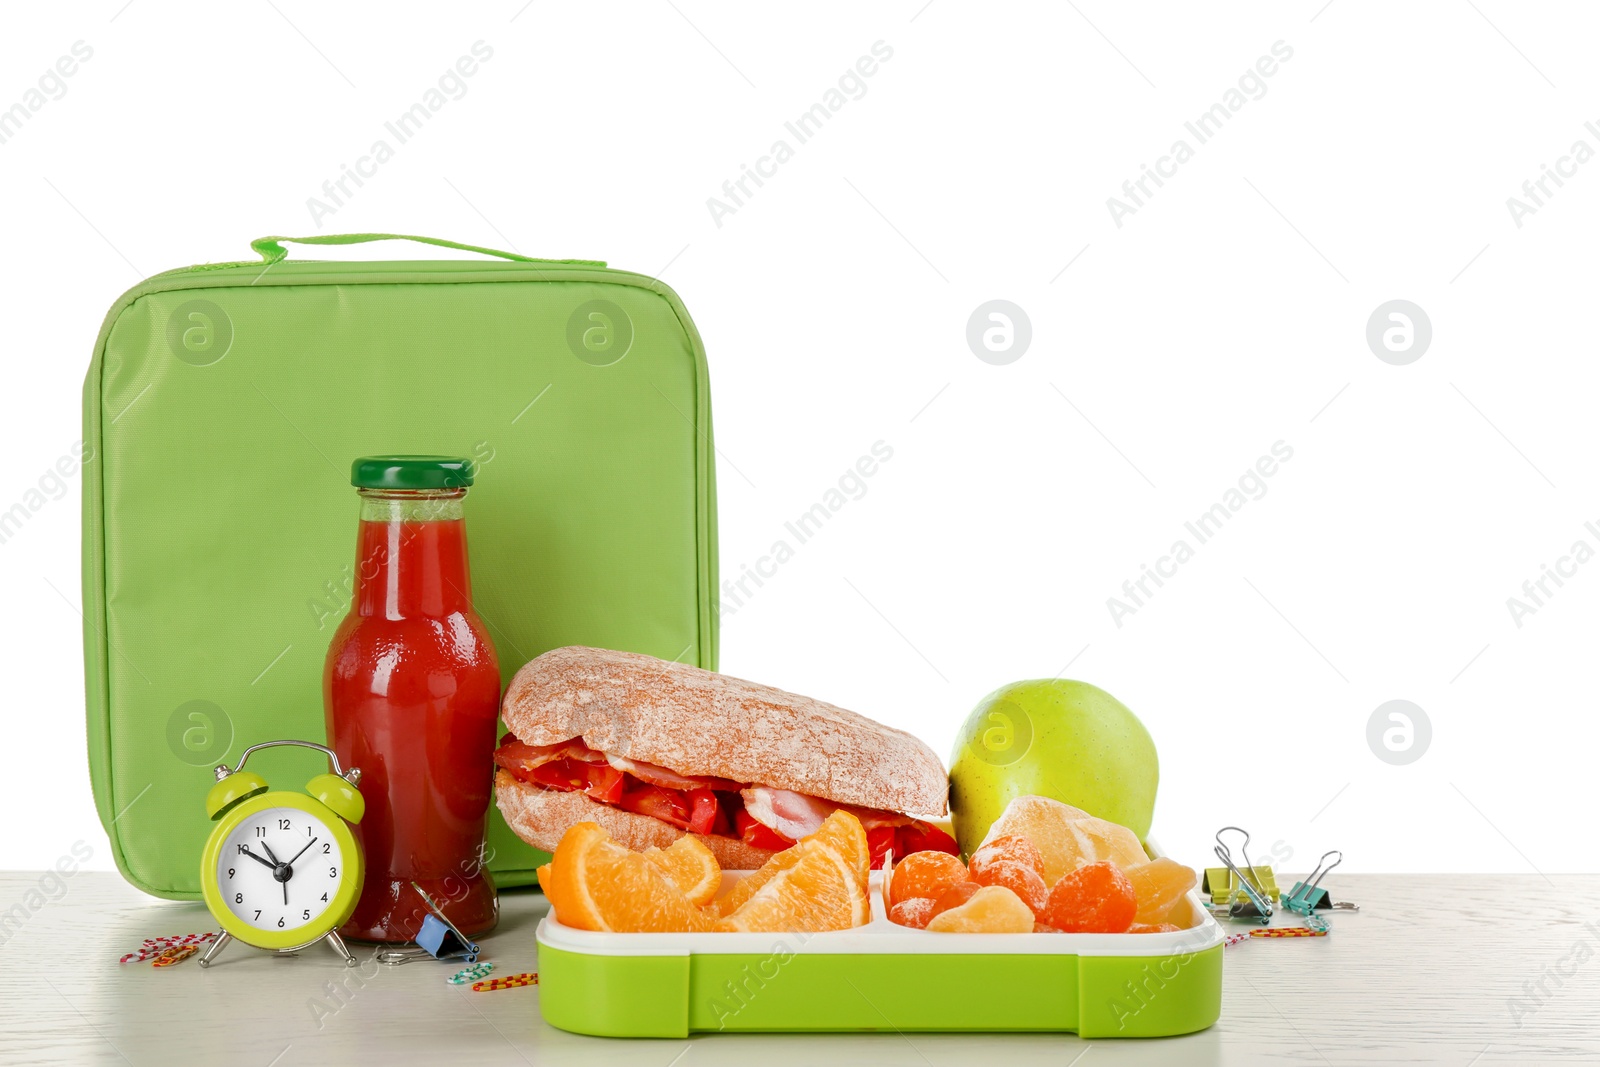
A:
[281,870]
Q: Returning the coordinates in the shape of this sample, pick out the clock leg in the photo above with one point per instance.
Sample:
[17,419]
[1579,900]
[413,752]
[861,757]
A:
[216,947]
[337,942]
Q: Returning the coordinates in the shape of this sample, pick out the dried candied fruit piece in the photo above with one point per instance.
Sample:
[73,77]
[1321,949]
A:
[1044,822]
[1098,840]
[914,912]
[1066,837]
[925,874]
[1094,899]
[1010,848]
[1025,882]
[1153,928]
[954,897]
[1158,886]
[992,909]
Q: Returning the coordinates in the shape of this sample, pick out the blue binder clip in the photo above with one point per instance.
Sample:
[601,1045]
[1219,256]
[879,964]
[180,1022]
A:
[438,939]
[1308,896]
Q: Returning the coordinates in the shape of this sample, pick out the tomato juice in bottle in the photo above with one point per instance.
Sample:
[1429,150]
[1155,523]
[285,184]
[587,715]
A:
[411,691]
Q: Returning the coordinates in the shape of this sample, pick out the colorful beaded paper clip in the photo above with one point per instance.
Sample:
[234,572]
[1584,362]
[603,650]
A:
[510,981]
[153,947]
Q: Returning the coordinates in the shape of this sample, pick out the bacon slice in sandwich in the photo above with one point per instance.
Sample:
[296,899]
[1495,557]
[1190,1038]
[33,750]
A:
[654,750]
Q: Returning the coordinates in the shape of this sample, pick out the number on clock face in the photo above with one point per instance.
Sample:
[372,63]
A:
[253,856]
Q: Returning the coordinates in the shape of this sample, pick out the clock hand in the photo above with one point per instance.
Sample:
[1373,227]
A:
[277,869]
[289,868]
[259,860]
[302,852]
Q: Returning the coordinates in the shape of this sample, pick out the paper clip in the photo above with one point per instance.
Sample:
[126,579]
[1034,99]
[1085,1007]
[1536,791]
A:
[152,946]
[510,981]
[1290,931]
[1254,905]
[174,954]
[438,939]
[1308,896]
[477,972]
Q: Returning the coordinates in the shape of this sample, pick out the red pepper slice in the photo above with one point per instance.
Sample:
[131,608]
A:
[668,805]
[606,783]
[758,835]
[924,837]
[879,840]
[702,811]
[559,774]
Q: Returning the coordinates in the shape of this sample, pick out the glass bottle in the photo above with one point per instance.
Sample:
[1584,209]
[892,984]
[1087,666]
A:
[411,691]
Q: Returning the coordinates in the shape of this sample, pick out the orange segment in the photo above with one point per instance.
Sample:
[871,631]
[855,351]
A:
[1158,886]
[751,883]
[691,867]
[1067,837]
[596,884]
[844,832]
[993,909]
[824,888]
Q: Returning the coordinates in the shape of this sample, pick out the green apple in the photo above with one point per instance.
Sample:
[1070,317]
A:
[1056,738]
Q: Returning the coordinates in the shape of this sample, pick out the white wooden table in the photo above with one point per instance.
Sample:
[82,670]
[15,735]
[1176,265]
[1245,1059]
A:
[1449,969]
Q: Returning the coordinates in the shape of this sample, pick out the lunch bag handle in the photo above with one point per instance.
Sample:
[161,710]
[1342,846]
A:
[272,251]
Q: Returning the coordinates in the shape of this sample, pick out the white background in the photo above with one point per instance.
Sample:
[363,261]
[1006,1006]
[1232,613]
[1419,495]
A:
[1225,315]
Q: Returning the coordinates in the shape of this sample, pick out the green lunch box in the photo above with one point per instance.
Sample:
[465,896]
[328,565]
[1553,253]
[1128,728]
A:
[881,977]
[222,411]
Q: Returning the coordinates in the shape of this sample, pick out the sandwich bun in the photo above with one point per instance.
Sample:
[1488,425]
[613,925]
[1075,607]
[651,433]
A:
[698,722]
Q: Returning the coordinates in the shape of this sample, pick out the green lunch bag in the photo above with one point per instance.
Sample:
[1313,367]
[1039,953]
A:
[222,410]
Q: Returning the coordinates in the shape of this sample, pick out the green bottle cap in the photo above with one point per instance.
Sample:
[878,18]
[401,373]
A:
[411,472]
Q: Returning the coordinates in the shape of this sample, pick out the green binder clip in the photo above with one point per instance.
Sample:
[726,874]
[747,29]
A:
[1222,886]
[1308,895]
[1245,897]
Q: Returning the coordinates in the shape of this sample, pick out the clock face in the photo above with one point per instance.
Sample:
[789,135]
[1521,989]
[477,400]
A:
[280,868]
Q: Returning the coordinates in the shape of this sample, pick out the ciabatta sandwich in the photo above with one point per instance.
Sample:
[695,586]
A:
[653,750]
